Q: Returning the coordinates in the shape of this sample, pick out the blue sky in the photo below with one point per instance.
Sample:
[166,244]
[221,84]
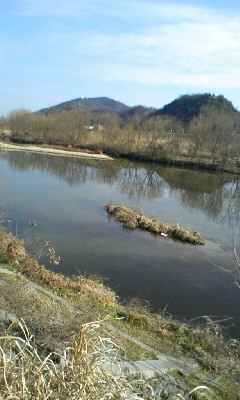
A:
[138,52]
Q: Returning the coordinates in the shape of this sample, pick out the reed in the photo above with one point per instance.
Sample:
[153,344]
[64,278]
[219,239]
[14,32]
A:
[131,219]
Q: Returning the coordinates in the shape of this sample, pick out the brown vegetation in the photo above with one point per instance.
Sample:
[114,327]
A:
[132,220]
[205,342]
[76,368]
[26,374]
[208,140]
[82,288]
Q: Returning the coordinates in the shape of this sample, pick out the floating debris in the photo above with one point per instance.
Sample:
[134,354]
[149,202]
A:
[133,220]
[32,223]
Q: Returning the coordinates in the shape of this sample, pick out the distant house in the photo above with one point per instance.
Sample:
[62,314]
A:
[89,127]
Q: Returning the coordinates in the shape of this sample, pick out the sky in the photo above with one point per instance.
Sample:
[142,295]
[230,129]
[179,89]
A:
[145,52]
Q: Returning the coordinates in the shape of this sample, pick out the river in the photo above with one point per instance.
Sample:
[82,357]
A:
[66,198]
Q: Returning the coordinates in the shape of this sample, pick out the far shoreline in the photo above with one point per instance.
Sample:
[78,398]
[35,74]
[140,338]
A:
[108,154]
[54,151]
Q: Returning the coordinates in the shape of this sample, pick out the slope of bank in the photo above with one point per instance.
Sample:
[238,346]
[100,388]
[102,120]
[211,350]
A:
[63,313]
[231,166]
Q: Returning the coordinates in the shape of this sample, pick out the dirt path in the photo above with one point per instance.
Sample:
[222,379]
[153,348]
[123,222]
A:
[52,151]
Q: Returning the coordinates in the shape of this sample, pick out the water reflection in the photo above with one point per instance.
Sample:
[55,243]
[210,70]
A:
[66,196]
[214,193]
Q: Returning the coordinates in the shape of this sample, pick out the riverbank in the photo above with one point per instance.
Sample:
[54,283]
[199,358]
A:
[62,312]
[185,161]
[55,151]
[231,167]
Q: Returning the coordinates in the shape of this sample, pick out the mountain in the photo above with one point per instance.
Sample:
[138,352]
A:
[137,110]
[184,108]
[96,104]
[187,106]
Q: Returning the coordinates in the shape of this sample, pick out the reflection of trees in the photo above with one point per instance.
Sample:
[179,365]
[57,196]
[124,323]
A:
[141,182]
[132,178]
[211,203]
[217,194]
[73,171]
[199,189]
[194,180]
[231,213]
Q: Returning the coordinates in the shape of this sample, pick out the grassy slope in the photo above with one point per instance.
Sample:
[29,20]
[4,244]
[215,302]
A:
[55,320]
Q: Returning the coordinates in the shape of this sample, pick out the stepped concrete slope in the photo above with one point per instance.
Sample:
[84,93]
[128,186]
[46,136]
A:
[148,368]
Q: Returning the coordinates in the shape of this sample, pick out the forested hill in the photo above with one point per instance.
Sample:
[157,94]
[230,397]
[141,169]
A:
[184,108]
[137,110]
[187,107]
[200,126]
[96,104]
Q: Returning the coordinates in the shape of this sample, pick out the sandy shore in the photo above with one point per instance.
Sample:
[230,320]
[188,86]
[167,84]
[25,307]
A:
[36,149]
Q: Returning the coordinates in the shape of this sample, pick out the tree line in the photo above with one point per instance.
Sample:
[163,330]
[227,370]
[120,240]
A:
[213,134]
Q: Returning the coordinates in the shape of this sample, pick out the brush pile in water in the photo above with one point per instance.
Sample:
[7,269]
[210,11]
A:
[132,220]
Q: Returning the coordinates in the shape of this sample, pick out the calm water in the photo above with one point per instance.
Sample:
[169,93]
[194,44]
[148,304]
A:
[66,197]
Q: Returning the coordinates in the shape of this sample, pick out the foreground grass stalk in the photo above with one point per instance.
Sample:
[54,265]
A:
[25,374]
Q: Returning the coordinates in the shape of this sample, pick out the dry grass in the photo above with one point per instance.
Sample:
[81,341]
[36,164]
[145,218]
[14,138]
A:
[30,369]
[82,288]
[132,220]
[50,318]
[77,372]
[204,343]
[77,375]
